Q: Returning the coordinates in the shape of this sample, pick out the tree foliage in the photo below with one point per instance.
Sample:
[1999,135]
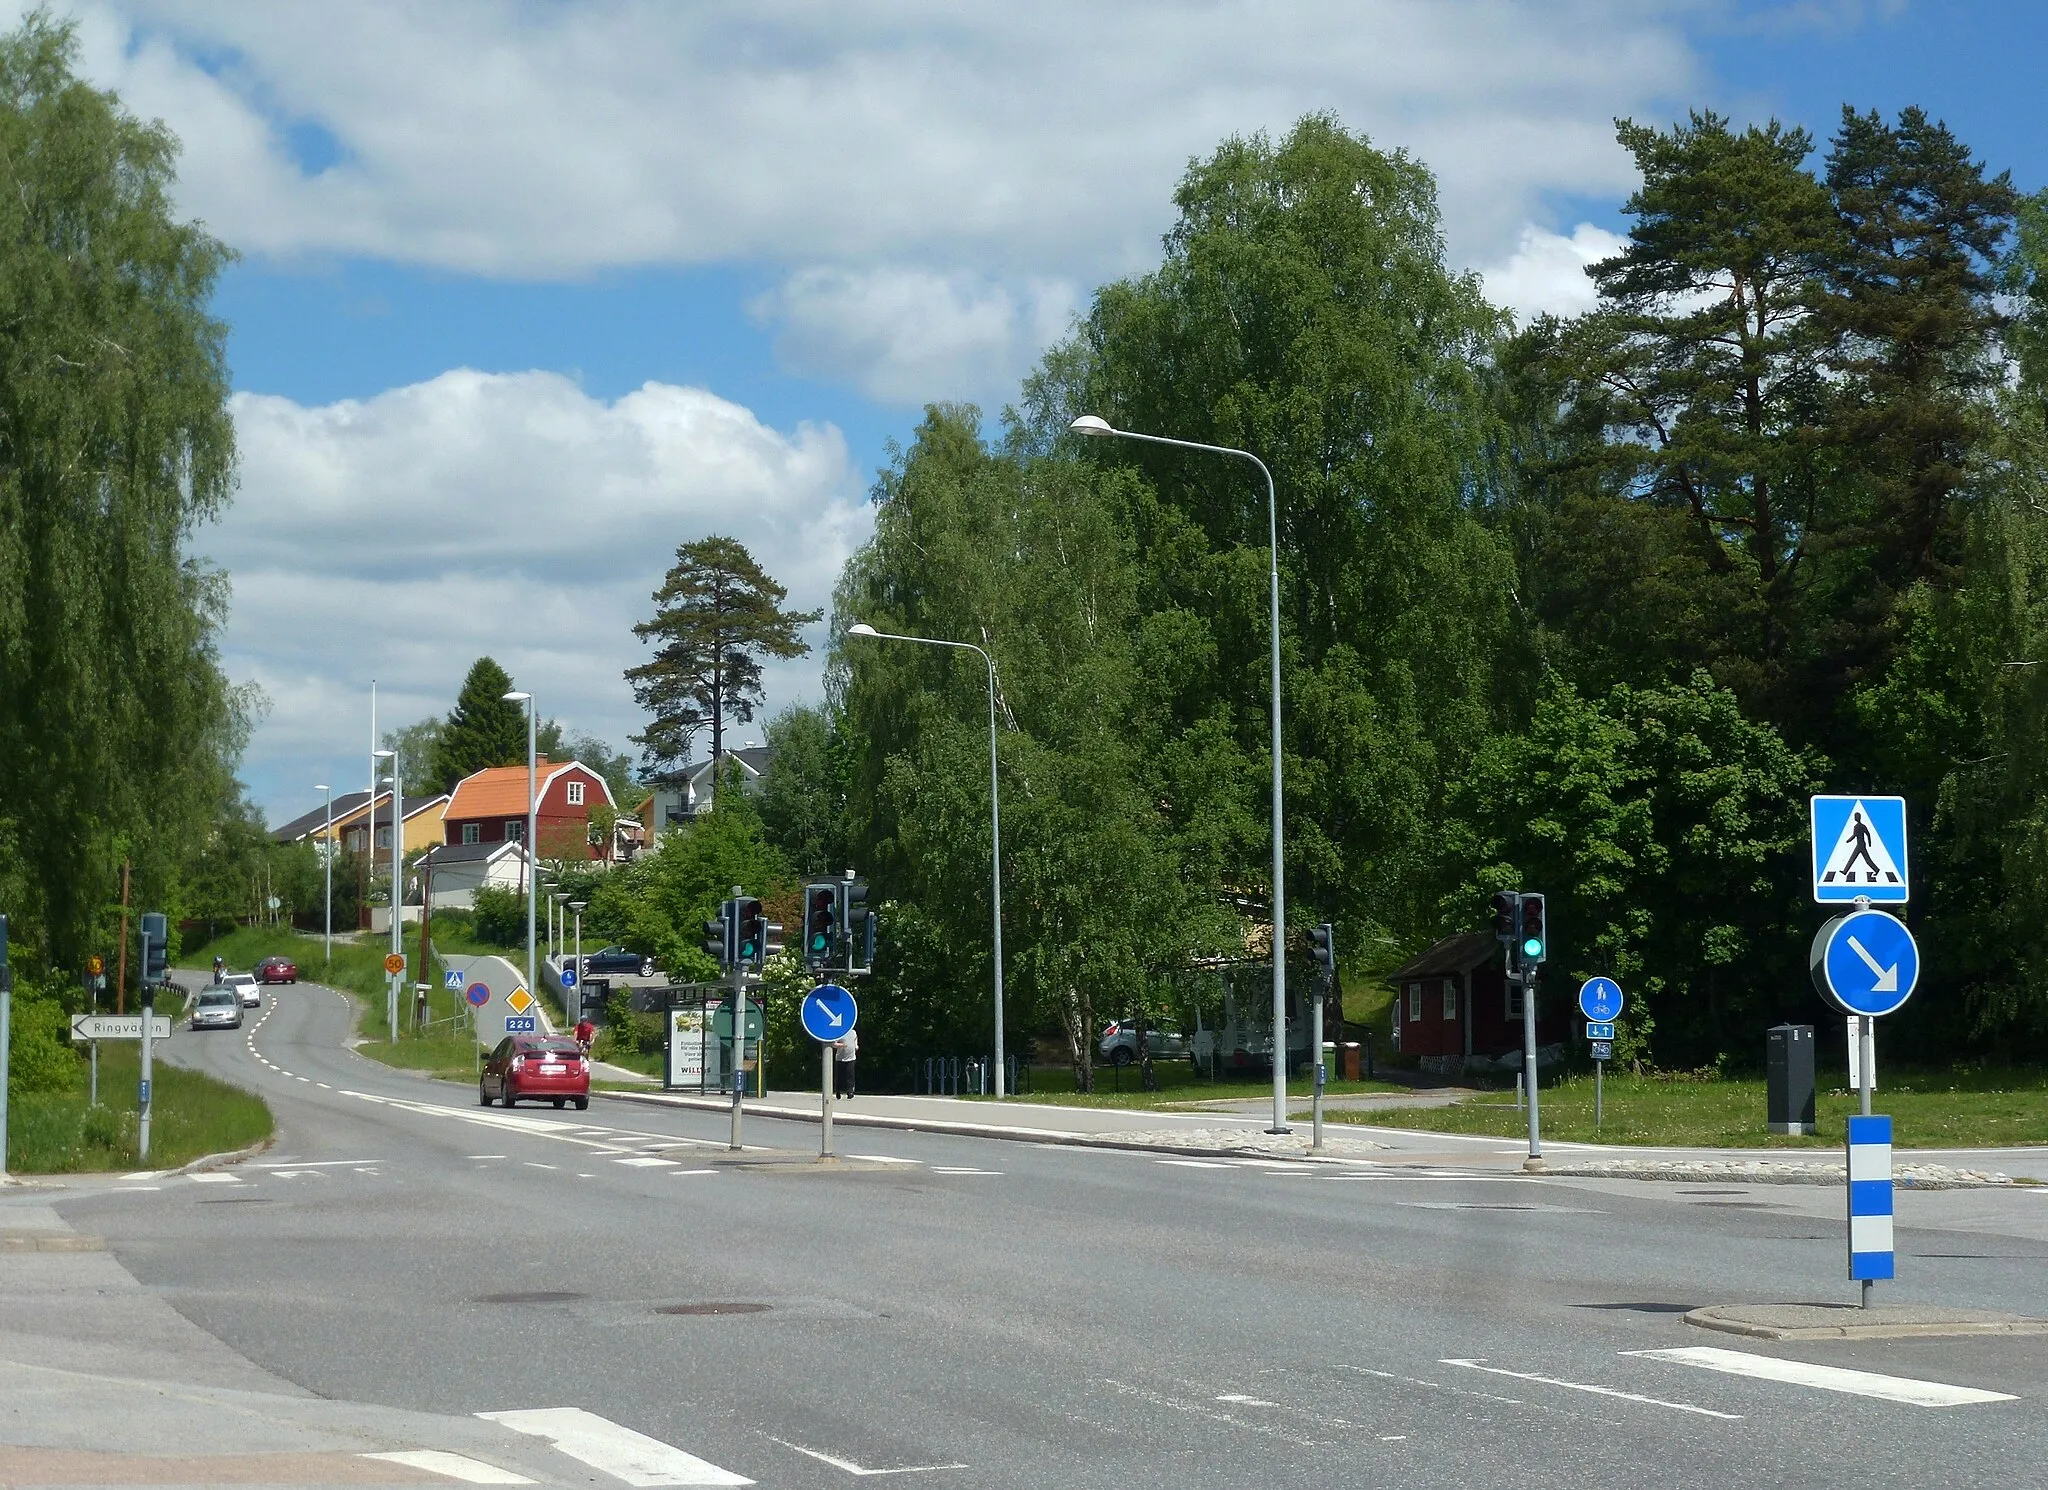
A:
[484,729]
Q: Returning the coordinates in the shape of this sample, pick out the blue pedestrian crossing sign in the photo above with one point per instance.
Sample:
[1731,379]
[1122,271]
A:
[452,978]
[829,1012]
[1600,1000]
[1859,850]
[1866,963]
[568,977]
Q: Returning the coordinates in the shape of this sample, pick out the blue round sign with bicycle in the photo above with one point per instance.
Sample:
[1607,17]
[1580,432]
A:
[1600,1000]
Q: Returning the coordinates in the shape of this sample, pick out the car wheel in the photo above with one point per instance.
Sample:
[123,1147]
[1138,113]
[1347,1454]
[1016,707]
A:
[647,967]
[583,1104]
[483,1093]
[1121,1056]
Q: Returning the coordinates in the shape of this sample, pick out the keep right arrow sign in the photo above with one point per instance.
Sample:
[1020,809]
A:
[1865,963]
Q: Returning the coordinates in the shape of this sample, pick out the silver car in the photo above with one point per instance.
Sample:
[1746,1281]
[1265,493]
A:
[218,1007]
[246,985]
[1166,1042]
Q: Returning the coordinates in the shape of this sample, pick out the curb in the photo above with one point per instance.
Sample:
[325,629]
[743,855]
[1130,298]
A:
[220,1161]
[973,1130]
[1710,1318]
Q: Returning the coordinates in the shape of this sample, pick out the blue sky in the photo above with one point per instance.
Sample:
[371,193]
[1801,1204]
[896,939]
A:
[530,295]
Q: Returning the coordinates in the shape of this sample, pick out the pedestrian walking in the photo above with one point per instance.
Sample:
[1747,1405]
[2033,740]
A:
[845,1051]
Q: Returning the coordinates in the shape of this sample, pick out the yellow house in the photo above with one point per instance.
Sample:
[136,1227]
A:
[354,822]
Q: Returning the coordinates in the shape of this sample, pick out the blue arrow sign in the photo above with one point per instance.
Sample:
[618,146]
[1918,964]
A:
[1866,963]
[1859,850]
[568,977]
[1600,999]
[452,978]
[1599,1029]
[829,1012]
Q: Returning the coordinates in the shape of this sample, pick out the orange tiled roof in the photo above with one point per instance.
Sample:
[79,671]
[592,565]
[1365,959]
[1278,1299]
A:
[500,791]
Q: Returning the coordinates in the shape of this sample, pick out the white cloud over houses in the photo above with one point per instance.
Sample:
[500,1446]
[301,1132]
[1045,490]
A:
[403,536]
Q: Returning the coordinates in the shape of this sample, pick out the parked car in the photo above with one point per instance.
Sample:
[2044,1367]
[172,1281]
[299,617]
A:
[246,985]
[523,1068]
[218,1007]
[277,970]
[1120,1042]
[617,960]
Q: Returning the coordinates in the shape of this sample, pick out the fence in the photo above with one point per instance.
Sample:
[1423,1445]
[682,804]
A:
[968,1076]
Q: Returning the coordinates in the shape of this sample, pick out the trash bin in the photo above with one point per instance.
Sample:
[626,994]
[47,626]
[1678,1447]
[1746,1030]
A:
[1348,1060]
[1788,1079]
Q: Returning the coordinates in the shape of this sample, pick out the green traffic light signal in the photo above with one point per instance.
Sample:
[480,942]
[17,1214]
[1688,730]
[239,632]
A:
[1532,948]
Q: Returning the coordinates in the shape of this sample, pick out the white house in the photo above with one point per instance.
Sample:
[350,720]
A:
[454,872]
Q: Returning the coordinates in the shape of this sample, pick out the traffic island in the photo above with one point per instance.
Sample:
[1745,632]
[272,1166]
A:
[785,1162]
[1849,1322]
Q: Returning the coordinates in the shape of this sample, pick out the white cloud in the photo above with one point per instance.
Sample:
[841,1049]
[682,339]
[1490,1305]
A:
[1025,140]
[404,536]
[1547,272]
[904,336]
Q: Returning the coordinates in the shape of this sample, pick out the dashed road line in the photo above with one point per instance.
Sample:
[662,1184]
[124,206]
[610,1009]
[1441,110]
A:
[1598,1391]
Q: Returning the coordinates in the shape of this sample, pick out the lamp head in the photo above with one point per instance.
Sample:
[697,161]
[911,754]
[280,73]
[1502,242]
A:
[1092,424]
[516,697]
[577,905]
[320,786]
[861,628]
[384,755]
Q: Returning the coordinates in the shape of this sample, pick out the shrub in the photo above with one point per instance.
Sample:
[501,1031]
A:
[499,916]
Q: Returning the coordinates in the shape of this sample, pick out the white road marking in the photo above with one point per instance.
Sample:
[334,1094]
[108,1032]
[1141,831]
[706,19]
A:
[455,1466]
[854,1469]
[313,1163]
[216,1179]
[892,1159]
[1580,1386]
[486,1156]
[645,1161]
[531,1164]
[1240,1397]
[937,1170]
[1197,1163]
[680,1172]
[620,1452]
[1904,1389]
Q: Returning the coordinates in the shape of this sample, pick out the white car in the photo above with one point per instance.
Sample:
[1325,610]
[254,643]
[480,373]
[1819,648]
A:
[246,985]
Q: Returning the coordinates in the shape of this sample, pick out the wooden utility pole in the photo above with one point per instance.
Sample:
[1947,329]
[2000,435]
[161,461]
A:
[121,968]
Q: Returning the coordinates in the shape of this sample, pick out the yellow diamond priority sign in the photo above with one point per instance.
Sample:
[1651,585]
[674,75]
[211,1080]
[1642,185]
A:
[520,1000]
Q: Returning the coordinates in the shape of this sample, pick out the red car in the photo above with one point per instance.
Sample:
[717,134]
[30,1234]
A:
[527,1068]
[277,970]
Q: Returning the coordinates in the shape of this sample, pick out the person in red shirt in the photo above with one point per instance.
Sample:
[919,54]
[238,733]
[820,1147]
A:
[586,1033]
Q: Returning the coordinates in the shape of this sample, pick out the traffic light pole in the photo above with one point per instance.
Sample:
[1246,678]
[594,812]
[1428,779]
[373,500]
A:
[739,1025]
[1316,1107]
[1529,1082]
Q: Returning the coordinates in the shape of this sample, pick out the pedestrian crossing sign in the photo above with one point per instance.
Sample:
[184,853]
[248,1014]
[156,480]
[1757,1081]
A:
[1859,850]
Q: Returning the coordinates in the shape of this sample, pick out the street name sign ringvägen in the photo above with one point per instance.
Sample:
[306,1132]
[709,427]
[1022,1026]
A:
[118,1027]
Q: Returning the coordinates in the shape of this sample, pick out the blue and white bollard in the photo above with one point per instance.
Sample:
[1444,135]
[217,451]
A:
[1870,1200]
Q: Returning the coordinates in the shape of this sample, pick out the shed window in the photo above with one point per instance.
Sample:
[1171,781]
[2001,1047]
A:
[515,829]
[1450,999]
[575,794]
[1414,1001]
[472,832]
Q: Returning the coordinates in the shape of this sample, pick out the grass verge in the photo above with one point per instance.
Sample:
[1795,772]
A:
[193,1115]
[1178,1085]
[1980,1108]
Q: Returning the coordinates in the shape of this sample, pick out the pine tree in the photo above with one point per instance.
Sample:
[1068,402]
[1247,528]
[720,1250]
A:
[484,729]
[718,614]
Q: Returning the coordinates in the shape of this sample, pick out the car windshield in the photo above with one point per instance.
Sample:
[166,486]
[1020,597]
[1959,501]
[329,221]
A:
[211,1000]
[551,1047]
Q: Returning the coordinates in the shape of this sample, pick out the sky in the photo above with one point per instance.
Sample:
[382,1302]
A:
[529,294]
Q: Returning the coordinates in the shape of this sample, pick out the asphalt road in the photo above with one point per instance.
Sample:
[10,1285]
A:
[1007,1314]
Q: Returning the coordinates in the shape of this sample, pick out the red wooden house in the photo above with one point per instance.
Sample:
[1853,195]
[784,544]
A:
[1454,1003]
[490,807]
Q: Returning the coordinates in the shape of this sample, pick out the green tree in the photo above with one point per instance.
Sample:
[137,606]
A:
[717,616]
[484,729]
[418,747]
[803,801]
[116,443]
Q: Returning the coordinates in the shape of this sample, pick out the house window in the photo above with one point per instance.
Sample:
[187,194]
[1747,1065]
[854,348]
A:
[384,837]
[515,829]
[1450,999]
[575,794]
[1514,1001]
[472,832]
[1414,1002]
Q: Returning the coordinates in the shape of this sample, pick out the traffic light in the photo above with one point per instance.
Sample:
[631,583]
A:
[1322,945]
[771,939]
[1507,915]
[1535,939]
[156,947]
[856,920]
[753,931]
[718,938]
[821,922]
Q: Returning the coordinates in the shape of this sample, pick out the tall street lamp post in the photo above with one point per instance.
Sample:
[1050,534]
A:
[577,907]
[532,811]
[397,877]
[327,854]
[995,816]
[1100,428]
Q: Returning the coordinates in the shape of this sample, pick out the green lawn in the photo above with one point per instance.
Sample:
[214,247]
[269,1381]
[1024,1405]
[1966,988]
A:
[1968,1108]
[1178,1084]
[192,1115]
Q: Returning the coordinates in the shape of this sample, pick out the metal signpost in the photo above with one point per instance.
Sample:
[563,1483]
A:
[1601,1001]
[394,974]
[828,1013]
[6,1039]
[1867,965]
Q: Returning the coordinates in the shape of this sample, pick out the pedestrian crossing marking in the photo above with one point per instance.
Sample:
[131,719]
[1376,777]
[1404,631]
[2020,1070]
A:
[454,1466]
[1904,1389]
[614,1450]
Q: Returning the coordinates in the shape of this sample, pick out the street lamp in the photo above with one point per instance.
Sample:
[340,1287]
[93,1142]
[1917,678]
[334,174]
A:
[995,814]
[397,874]
[327,853]
[555,930]
[1097,427]
[532,810]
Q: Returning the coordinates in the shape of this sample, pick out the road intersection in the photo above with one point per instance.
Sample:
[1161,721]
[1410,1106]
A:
[566,1296]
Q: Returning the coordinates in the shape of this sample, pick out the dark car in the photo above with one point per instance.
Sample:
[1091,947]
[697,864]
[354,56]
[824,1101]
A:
[526,1068]
[617,960]
[277,970]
